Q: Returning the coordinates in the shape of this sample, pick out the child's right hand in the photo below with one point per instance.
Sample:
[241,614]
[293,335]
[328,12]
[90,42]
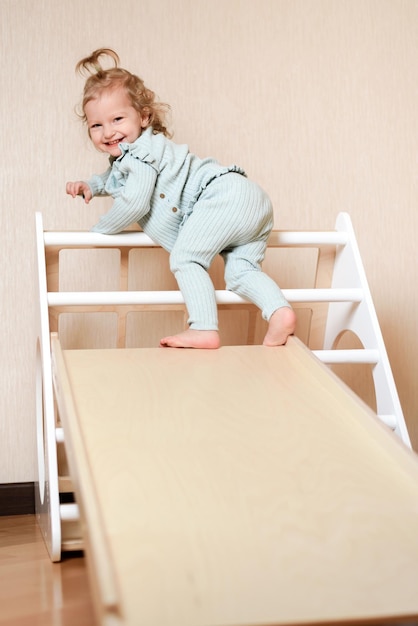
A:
[79,188]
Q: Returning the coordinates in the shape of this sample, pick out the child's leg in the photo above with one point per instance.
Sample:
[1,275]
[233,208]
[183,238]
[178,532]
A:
[199,296]
[281,325]
[215,222]
[231,212]
[190,260]
[244,277]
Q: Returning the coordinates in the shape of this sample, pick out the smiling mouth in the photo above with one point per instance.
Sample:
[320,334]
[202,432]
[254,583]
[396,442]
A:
[114,143]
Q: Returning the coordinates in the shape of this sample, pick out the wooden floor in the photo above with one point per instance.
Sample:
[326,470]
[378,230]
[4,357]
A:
[36,592]
[33,590]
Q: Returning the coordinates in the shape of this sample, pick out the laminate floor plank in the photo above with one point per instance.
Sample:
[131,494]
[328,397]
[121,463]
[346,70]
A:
[33,590]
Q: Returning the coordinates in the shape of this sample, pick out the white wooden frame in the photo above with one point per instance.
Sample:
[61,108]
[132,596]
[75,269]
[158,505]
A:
[348,306]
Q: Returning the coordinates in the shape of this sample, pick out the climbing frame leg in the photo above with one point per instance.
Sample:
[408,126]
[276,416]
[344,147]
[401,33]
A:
[361,319]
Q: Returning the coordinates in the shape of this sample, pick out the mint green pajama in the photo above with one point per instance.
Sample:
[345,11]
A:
[196,209]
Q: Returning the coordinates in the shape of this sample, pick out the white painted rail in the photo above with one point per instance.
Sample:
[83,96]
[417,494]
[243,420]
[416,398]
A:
[102,298]
[74,239]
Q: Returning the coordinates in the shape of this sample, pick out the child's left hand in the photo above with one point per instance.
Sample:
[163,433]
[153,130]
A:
[79,188]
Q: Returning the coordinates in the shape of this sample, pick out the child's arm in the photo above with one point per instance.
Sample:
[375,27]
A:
[131,201]
[87,189]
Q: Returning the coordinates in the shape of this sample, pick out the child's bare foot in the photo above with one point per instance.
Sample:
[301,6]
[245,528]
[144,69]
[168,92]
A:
[282,324]
[206,339]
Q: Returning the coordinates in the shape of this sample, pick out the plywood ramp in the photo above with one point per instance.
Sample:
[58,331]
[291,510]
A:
[242,486]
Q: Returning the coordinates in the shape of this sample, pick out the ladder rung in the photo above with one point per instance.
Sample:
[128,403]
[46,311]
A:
[103,298]
[314,238]
[69,512]
[324,295]
[86,239]
[347,356]
[141,240]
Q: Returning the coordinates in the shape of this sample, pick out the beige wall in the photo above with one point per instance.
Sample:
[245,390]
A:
[316,99]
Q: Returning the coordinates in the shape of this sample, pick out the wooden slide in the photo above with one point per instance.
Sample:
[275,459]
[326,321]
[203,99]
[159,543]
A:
[245,486]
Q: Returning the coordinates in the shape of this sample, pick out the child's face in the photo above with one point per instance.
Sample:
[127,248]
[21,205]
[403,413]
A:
[111,120]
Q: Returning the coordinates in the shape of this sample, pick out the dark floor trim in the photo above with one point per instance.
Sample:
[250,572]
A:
[17,499]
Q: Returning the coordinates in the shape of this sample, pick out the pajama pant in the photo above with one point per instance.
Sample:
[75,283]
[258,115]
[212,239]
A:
[232,217]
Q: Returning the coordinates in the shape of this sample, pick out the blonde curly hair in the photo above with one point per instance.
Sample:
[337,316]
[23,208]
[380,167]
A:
[143,99]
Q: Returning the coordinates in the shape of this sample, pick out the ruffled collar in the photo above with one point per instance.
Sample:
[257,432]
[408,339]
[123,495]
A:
[140,149]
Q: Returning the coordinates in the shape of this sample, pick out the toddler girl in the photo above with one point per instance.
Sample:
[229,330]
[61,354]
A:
[194,208]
